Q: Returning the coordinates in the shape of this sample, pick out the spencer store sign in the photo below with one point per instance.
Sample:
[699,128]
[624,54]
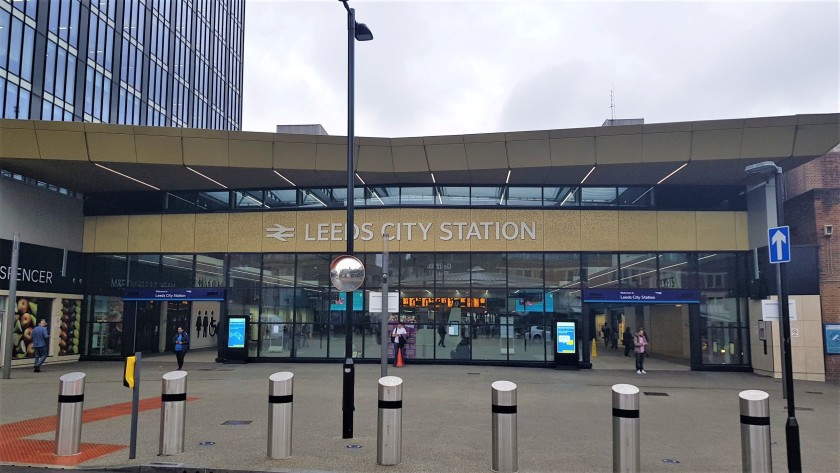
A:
[42,269]
[409,231]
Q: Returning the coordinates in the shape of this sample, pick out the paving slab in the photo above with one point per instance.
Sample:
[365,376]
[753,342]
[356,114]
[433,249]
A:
[564,417]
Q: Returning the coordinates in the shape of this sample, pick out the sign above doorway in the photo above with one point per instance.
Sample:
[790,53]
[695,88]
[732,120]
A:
[642,296]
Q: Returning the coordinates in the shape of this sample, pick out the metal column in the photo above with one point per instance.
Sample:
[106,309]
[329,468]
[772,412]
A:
[626,447]
[71,396]
[755,431]
[173,411]
[389,421]
[505,444]
[280,387]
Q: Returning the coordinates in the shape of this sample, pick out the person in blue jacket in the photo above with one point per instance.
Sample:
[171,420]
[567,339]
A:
[182,344]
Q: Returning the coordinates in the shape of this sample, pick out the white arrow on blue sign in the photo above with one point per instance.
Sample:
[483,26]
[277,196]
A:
[779,240]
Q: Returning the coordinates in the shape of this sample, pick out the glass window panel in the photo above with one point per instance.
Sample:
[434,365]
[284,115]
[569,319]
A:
[566,303]
[417,270]
[106,271]
[52,24]
[638,270]
[635,196]
[143,270]
[180,201]
[677,271]
[70,86]
[339,196]
[279,270]
[276,340]
[417,196]
[562,270]
[64,20]
[313,271]
[46,110]
[11,108]
[486,330]
[209,271]
[216,200]
[453,195]
[561,196]
[317,198]
[717,270]
[373,270]
[176,270]
[97,95]
[601,270]
[244,301]
[244,269]
[15,46]
[598,196]
[488,270]
[28,54]
[5,18]
[452,270]
[248,199]
[525,269]
[2,95]
[105,328]
[487,196]
[74,24]
[23,104]
[60,69]
[278,305]
[723,339]
[379,196]
[524,197]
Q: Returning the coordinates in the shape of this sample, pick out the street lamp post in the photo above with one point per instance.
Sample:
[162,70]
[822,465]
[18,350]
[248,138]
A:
[794,457]
[355,32]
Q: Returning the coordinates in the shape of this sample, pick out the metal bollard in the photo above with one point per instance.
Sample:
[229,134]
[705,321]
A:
[173,412]
[626,448]
[280,415]
[505,442]
[389,426]
[71,397]
[755,431]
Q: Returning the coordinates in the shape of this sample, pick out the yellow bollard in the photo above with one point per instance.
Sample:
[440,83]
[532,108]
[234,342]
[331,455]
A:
[594,349]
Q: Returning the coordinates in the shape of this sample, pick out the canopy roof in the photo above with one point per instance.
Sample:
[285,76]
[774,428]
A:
[82,156]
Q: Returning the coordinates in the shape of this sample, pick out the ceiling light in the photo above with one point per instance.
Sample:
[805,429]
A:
[207,177]
[126,176]
[587,175]
[284,177]
[672,173]
[507,179]
[360,179]
[433,178]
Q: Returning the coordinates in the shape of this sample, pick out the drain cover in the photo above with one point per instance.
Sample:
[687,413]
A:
[473,373]
[207,444]
[354,446]
[237,422]
[670,461]
[653,393]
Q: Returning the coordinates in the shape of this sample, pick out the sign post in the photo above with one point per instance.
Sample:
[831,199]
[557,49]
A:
[131,379]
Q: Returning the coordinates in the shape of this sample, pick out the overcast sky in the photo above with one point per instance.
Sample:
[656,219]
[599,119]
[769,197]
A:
[446,67]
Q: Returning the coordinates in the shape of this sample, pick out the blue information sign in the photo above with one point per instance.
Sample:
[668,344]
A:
[236,332]
[778,239]
[566,338]
[642,296]
[832,339]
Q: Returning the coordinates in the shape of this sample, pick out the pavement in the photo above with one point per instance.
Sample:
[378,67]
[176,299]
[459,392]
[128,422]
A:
[564,418]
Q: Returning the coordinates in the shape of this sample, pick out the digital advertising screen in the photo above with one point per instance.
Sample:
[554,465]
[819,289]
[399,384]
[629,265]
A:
[236,332]
[566,338]
[340,301]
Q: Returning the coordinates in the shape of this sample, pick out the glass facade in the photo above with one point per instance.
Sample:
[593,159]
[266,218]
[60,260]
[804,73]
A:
[136,62]
[475,307]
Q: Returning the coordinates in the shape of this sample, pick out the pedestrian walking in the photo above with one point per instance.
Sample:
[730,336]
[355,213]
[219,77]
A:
[182,345]
[605,331]
[614,338]
[628,341]
[41,344]
[640,344]
[398,337]
[442,333]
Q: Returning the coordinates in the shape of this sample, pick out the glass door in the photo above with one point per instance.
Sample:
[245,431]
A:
[177,315]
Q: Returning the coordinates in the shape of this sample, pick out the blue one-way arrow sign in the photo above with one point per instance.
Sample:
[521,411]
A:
[779,240]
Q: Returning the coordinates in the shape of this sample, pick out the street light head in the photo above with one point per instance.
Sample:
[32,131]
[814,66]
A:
[363,33]
[764,167]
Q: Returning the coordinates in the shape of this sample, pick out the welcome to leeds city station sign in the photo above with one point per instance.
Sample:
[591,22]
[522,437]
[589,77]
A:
[410,231]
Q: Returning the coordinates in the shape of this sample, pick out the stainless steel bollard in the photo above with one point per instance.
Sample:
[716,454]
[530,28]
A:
[505,442]
[389,425]
[626,447]
[280,387]
[755,431]
[173,412]
[71,397]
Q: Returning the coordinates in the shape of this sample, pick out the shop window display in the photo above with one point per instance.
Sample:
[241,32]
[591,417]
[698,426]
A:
[28,313]
[69,327]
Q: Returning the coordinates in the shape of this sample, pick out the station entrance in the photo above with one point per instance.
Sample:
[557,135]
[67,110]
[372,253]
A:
[668,332]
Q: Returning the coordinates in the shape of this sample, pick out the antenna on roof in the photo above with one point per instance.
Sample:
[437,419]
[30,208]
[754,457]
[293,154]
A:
[612,101]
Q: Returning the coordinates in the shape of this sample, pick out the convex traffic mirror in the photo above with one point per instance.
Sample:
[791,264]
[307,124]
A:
[347,273]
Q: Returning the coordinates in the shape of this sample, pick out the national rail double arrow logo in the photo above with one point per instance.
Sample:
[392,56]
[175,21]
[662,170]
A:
[280,232]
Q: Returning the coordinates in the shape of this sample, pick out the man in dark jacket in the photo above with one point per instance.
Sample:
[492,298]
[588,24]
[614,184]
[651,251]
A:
[41,344]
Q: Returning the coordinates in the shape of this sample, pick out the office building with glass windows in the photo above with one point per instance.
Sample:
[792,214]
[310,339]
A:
[175,63]
[493,240]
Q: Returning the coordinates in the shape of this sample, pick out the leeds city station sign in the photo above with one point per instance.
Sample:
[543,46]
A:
[410,231]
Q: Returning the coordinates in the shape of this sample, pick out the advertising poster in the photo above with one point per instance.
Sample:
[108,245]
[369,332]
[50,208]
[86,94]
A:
[27,315]
[71,320]
[566,338]
[236,332]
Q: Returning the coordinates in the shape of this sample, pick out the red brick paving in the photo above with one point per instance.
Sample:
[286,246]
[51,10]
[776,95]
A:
[15,448]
